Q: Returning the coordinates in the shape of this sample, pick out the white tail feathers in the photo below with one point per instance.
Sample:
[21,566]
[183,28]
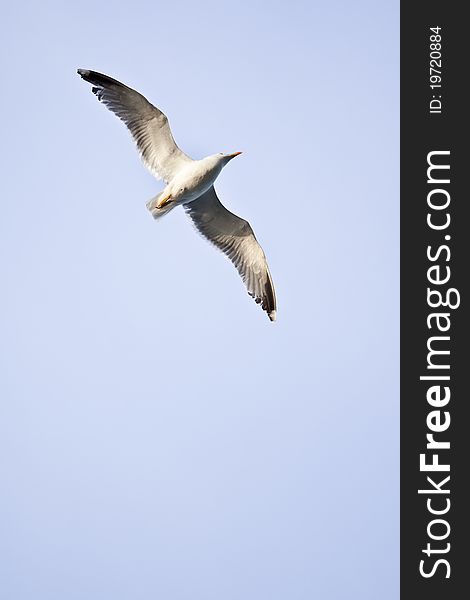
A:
[159,212]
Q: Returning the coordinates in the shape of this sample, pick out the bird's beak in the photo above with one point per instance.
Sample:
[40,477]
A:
[233,155]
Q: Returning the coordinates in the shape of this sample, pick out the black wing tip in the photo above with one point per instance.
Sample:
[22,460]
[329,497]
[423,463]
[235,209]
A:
[86,74]
[98,79]
[91,76]
[267,305]
[269,300]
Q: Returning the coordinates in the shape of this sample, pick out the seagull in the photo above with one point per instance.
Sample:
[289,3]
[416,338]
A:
[189,183]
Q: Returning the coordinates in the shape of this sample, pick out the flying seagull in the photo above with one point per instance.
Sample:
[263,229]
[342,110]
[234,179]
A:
[188,182]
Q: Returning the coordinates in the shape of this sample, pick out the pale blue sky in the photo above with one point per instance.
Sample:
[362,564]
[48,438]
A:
[159,437]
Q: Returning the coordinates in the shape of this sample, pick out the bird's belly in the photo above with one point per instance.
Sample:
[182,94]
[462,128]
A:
[193,187]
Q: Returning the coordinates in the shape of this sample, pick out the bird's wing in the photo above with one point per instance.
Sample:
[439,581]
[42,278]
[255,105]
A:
[147,124]
[236,239]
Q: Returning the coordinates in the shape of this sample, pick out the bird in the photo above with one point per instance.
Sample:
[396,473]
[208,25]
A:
[189,183]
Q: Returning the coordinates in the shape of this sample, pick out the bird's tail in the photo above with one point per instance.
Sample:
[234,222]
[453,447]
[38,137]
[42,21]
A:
[159,212]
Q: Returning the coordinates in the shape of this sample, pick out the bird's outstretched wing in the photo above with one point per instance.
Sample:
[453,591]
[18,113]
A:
[147,124]
[236,239]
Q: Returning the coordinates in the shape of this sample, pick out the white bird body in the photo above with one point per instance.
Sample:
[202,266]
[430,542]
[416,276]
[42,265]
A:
[189,183]
[194,178]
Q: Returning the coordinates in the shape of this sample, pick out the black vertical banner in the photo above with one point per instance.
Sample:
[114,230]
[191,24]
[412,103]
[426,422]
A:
[435,336]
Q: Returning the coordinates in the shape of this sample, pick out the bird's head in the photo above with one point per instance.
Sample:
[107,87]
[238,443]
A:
[227,157]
